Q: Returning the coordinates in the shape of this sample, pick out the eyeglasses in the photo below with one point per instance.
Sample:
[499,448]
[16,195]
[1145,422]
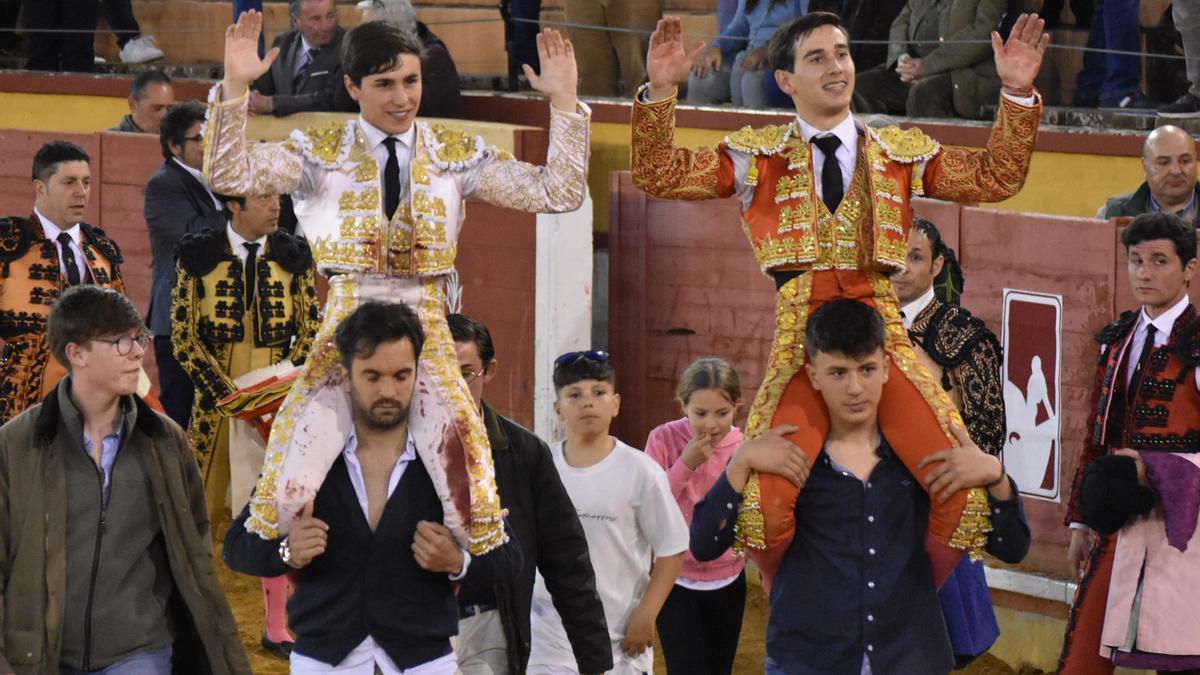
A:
[469,374]
[124,344]
[195,139]
[569,358]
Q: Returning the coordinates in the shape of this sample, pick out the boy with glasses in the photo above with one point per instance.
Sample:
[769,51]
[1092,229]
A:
[635,533]
[105,555]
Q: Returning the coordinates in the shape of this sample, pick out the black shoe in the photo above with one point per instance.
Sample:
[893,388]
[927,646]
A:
[1187,105]
[1134,100]
[281,650]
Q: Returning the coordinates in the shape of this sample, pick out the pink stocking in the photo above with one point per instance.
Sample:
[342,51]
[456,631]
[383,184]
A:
[275,595]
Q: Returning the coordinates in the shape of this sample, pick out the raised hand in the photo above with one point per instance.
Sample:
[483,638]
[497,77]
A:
[242,64]
[560,74]
[1019,59]
[667,62]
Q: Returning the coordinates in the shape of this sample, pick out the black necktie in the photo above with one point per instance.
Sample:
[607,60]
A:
[1135,381]
[68,258]
[391,179]
[831,171]
[251,250]
[303,71]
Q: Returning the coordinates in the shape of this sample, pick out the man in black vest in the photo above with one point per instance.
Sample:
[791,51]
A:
[177,203]
[361,599]
[493,627]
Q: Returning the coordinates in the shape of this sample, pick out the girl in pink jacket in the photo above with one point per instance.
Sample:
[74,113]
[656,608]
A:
[700,622]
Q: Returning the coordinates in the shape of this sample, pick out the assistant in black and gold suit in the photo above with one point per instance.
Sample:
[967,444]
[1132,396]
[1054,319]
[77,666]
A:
[39,257]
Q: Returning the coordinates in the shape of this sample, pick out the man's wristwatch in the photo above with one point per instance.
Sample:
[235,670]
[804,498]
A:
[285,552]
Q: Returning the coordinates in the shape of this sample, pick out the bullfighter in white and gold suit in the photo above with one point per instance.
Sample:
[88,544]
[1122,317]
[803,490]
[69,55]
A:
[380,198]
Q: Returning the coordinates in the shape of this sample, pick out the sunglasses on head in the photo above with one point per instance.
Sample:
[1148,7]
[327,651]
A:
[569,358]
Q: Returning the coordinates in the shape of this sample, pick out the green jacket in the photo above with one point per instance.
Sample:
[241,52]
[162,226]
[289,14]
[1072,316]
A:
[33,497]
[971,66]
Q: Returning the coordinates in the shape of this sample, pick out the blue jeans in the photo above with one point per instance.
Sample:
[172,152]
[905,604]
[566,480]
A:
[240,6]
[157,662]
[1107,78]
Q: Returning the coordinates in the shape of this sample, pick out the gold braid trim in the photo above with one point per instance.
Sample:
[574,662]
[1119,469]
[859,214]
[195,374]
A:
[974,524]
[661,169]
[996,172]
[486,529]
[785,362]
[971,535]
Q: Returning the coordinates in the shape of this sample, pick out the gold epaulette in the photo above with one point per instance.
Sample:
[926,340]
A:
[452,149]
[767,140]
[907,146]
[326,144]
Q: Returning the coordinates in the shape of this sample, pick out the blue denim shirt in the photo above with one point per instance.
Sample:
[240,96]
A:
[108,453]
[750,30]
[855,579]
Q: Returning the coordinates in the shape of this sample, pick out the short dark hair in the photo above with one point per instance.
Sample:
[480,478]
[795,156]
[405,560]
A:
[142,82]
[781,48]
[374,323]
[86,312]
[175,124]
[375,47]
[50,155]
[230,199]
[846,327]
[582,367]
[1159,225]
[948,285]
[465,329]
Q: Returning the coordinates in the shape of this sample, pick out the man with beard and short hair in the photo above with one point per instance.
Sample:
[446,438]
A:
[363,602]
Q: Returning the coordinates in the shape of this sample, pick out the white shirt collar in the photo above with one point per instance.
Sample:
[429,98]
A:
[195,174]
[51,229]
[913,309]
[375,135]
[236,240]
[847,131]
[304,46]
[409,454]
[1165,321]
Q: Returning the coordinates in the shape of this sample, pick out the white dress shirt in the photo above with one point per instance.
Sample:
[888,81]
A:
[368,655]
[407,140]
[52,231]
[1162,327]
[301,56]
[847,153]
[913,309]
[200,178]
[236,242]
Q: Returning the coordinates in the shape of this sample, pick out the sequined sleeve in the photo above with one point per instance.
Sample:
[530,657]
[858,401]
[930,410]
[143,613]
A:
[978,378]
[211,381]
[997,171]
[233,166]
[663,170]
[307,310]
[557,187]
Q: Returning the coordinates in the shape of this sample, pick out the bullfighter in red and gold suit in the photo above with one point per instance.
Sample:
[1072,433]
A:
[825,205]
[40,257]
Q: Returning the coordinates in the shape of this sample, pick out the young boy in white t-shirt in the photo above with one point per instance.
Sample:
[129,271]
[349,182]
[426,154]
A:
[636,535]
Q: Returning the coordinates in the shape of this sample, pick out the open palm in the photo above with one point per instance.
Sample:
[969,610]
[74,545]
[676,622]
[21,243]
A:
[242,63]
[667,62]
[559,76]
[1020,58]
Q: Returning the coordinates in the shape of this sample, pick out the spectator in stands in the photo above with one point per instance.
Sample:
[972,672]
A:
[150,96]
[1169,163]
[61,34]
[869,23]
[177,203]
[442,94]
[615,59]
[522,42]
[107,554]
[240,6]
[733,67]
[308,70]
[923,77]
[1186,14]
[1112,80]
[135,47]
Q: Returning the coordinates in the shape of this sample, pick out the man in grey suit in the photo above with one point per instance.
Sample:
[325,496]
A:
[177,203]
[308,70]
